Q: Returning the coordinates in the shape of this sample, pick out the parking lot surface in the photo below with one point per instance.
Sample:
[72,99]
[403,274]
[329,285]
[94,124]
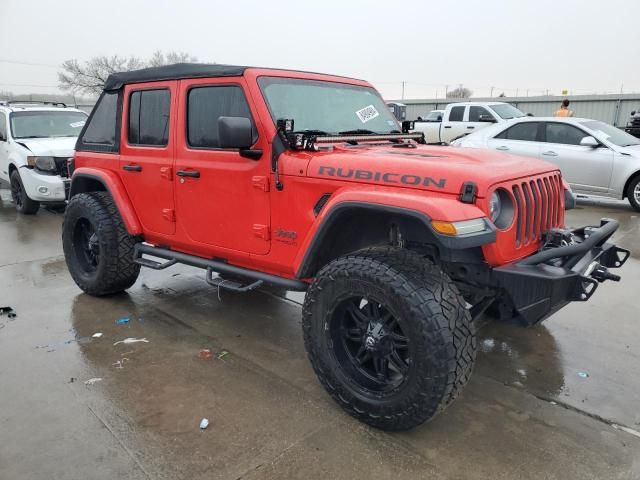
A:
[559,400]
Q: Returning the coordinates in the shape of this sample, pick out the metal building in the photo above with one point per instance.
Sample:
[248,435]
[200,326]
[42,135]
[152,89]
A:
[613,108]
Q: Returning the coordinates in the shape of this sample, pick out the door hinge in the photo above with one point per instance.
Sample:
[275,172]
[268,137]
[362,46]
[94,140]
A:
[261,231]
[169,214]
[166,173]
[261,182]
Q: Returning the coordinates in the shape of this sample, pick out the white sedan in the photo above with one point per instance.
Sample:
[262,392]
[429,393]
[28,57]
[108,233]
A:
[595,158]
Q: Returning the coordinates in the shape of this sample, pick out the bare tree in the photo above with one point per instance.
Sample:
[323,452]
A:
[159,58]
[89,76]
[460,92]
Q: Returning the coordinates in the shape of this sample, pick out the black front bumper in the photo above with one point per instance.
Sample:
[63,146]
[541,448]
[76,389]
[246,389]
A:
[538,286]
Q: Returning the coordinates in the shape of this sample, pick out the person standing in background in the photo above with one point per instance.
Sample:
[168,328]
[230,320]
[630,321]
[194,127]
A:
[564,110]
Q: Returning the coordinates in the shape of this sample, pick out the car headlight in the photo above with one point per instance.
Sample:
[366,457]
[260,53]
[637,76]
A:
[46,164]
[501,210]
[495,206]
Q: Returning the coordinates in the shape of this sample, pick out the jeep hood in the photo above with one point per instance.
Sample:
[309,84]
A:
[432,168]
[54,147]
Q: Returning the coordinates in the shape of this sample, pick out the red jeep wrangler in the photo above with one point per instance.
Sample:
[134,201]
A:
[307,182]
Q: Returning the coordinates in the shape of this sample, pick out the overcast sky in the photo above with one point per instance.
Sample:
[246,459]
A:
[583,46]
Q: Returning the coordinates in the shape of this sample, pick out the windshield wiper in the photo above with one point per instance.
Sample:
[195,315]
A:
[357,131]
[30,136]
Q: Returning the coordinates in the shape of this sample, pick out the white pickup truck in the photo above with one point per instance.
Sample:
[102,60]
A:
[460,119]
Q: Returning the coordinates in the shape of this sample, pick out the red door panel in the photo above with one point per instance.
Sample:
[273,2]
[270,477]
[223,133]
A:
[227,204]
[147,170]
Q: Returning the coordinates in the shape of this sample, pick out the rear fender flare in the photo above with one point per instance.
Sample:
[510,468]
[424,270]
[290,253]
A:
[92,179]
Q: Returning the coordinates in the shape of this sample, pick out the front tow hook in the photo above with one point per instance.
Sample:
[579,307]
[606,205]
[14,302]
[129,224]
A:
[602,273]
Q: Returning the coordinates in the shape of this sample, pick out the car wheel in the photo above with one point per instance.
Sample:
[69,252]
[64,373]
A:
[20,198]
[97,247]
[633,193]
[389,337]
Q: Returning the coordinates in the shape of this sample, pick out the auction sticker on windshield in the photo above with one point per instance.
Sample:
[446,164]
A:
[367,113]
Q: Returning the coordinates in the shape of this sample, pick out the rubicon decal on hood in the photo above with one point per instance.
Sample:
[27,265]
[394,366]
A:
[385,177]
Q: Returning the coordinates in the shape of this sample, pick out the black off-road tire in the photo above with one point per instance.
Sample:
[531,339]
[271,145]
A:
[114,269]
[20,198]
[631,193]
[430,310]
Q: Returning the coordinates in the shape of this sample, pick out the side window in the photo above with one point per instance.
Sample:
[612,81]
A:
[526,131]
[100,132]
[3,126]
[149,117]
[205,105]
[456,114]
[475,112]
[563,133]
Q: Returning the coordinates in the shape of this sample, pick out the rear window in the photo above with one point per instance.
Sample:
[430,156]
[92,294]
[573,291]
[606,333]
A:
[100,134]
[525,131]
[456,114]
[149,117]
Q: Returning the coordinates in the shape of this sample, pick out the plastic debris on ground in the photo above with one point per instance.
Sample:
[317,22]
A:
[129,340]
[583,374]
[630,431]
[204,423]
[97,335]
[93,381]
[222,354]
[120,363]
[122,321]
[205,353]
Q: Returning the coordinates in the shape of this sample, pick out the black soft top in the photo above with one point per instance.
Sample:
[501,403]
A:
[115,81]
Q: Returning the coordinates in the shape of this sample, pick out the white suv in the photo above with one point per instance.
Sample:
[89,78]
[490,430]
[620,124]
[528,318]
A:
[36,141]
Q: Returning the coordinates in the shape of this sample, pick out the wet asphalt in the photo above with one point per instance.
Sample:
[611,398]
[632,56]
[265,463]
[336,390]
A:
[560,400]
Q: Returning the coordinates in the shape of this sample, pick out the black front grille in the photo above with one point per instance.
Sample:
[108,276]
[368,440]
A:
[62,167]
[538,207]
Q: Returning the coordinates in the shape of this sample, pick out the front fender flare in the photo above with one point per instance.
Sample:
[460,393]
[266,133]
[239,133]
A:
[112,184]
[415,206]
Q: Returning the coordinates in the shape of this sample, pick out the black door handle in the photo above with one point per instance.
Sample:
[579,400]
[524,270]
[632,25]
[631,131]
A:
[471,127]
[132,168]
[188,173]
[447,126]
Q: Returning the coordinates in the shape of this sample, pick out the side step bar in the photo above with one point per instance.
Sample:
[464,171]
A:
[213,266]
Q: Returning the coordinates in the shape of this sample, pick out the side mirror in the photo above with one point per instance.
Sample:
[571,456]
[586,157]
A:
[529,114]
[408,125]
[487,118]
[235,132]
[589,141]
[439,119]
[3,137]
[633,112]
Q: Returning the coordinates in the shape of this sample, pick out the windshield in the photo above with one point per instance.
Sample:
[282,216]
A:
[611,134]
[326,106]
[42,124]
[507,111]
[434,114]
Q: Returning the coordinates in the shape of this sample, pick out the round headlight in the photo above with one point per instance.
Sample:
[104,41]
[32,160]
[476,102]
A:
[495,206]
[501,210]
